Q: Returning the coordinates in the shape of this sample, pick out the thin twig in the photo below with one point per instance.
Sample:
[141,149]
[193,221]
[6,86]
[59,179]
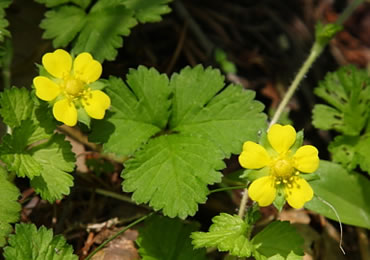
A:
[117,235]
[206,44]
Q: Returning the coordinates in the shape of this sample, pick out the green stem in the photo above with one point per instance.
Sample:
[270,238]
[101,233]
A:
[228,188]
[114,195]
[6,63]
[243,203]
[117,196]
[348,11]
[116,235]
[315,52]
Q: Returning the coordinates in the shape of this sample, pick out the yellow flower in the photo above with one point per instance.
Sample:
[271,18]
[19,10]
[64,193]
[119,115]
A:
[283,167]
[68,86]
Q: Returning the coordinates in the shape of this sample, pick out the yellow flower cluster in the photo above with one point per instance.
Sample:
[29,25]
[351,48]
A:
[68,86]
[283,167]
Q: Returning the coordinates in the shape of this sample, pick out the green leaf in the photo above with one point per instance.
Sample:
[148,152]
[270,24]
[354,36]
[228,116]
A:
[103,30]
[10,208]
[56,160]
[3,22]
[348,92]
[53,3]
[143,105]
[206,123]
[16,105]
[347,192]
[32,244]
[343,150]
[56,18]
[13,151]
[163,238]
[228,118]
[45,164]
[148,10]
[228,233]
[172,173]
[278,241]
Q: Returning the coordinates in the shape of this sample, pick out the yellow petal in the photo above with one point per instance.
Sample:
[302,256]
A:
[46,89]
[95,103]
[254,156]
[281,137]
[306,159]
[86,68]
[57,63]
[263,191]
[65,111]
[299,193]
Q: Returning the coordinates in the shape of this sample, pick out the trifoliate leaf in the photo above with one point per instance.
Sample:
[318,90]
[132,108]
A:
[228,233]
[348,92]
[3,22]
[227,118]
[10,208]
[207,122]
[142,105]
[347,192]
[56,160]
[14,153]
[55,27]
[32,244]
[278,241]
[103,30]
[163,238]
[148,10]
[172,173]
[16,105]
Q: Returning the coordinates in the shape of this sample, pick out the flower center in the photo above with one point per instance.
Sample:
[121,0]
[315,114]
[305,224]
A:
[73,86]
[282,168]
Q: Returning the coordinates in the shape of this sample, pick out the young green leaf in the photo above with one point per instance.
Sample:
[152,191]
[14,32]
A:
[32,244]
[348,92]
[10,208]
[278,241]
[347,192]
[228,233]
[172,173]
[163,238]
[148,10]
[143,105]
[228,118]
[56,160]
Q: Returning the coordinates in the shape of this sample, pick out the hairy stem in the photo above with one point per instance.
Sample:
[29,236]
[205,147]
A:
[315,52]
